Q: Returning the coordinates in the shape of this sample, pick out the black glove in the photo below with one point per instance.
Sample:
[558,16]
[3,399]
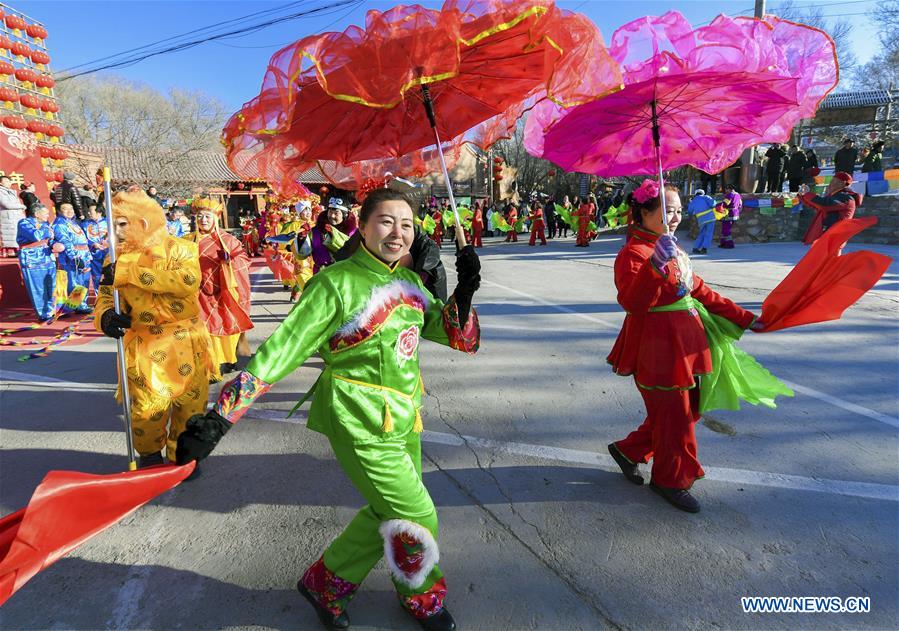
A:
[108,274]
[202,434]
[113,324]
[468,271]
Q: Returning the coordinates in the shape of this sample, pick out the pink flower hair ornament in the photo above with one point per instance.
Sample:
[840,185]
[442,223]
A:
[647,191]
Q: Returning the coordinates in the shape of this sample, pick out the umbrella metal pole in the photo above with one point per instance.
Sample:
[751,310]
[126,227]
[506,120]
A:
[429,110]
[656,140]
[120,345]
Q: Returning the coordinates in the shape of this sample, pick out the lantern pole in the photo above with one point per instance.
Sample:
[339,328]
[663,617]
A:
[120,344]
[432,118]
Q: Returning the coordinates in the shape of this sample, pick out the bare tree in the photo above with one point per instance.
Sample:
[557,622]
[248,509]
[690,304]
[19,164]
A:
[839,30]
[882,71]
[160,131]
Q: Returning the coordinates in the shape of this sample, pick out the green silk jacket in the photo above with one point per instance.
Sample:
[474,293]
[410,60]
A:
[365,319]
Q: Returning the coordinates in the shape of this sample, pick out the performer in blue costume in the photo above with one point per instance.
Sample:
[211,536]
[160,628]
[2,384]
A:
[97,232]
[36,257]
[702,207]
[76,259]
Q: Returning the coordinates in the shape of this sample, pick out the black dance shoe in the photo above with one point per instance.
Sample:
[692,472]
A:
[150,460]
[630,470]
[440,621]
[679,498]
[329,620]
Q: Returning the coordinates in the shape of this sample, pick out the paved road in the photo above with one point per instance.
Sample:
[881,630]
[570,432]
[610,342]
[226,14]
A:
[538,531]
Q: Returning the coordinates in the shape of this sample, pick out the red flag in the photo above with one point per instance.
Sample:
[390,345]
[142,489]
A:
[67,509]
[825,283]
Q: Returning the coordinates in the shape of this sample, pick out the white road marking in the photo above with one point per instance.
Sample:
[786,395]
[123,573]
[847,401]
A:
[582,316]
[869,490]
[821,396]
[11,378]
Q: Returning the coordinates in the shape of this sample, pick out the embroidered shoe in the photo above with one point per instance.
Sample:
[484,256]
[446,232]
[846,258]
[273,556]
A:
[679,498]
[440,621]
[629,469]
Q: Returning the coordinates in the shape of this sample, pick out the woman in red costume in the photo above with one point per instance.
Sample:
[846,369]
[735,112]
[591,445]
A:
[437,235]
[512,219]
[663,345]
[537,224]
[477,226]
[585,214]
[838,202]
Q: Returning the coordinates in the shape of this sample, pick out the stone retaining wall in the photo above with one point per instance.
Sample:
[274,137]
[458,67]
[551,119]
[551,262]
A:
[785,225]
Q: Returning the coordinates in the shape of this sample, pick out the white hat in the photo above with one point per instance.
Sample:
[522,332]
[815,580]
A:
[700,191]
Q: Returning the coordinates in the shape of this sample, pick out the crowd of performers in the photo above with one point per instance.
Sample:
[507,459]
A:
[369,284]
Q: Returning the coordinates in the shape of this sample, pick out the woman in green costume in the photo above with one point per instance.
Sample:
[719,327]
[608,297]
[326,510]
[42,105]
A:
[364,316]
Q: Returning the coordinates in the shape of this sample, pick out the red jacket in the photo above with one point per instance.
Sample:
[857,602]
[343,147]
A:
[663,349]
[536,217]
[843,203]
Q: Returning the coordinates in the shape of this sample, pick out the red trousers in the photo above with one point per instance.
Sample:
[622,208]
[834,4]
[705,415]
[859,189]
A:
[512,235]
[537,233]
[476,239]
[582,237]
[668,437]
[438,239]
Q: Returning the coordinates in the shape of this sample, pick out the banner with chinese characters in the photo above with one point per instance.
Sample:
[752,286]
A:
[21,161]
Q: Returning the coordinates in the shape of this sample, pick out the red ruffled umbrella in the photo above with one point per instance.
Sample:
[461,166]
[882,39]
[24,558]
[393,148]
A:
[412,76]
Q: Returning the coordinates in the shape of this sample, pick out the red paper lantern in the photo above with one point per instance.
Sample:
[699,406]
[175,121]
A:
[58,176]
[6,68]
[497,160]
[30,100]
[45,151]
[40,57]
[5,42]
[323,190]
[48,105]
[56,131]
[37,126]
[58,153]
[36,31]
[26,74]
[9,95]
[20,49]
[14,22]
[551,173]
[14,122]
[45,81]
[497,178]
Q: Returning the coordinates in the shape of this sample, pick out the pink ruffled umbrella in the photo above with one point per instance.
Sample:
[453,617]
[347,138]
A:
[697,97]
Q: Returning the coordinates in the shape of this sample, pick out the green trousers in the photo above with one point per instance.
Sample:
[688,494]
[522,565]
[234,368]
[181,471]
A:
[388,474]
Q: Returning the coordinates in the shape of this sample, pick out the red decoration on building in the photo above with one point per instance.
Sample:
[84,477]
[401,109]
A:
[14,122]
[40,57]
[36,31]
[45,151]
[497,160]
[48,105]
[37,126]
[56,131]
[58,153]
[6,68]
[58,176]
[45,81]
[30,101]
[551,173]
[19,49]
[323,190]
[14,22]
[5,42]
[26,74]
[9,95]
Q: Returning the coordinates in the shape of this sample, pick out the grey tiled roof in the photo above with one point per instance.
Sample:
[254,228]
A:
[201,167]
[866,98]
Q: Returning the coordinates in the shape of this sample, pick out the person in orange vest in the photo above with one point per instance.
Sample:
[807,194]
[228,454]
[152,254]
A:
[512,219]
[477,226]
[537,224]
[584,213]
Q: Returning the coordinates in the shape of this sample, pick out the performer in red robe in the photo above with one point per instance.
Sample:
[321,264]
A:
[585,214]
[663,345]
[838,202]
[437,235]
[477,226]
[512,219]
[224,284]
[537,224]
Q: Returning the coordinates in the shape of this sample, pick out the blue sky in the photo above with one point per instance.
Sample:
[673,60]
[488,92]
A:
[232,69]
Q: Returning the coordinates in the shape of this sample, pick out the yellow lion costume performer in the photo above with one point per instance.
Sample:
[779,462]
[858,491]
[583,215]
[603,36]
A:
[166,342]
